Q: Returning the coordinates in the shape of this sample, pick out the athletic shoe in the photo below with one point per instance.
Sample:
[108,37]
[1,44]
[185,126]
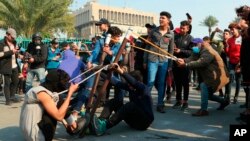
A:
[98,126]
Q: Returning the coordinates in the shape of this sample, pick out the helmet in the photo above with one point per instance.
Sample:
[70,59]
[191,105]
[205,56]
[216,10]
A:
[36,35]
[55,41]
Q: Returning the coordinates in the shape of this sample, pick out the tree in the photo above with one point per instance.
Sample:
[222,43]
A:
[32,16]
[210,22]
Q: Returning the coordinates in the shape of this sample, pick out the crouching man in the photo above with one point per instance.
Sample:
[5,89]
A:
[212,70]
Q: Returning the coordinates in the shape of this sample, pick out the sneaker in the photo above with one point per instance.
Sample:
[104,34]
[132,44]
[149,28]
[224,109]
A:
[200,113]
[173,92]
[98,126]
[177,105]
[223,105]
[197,88]
[15,100]
[235,100]
[168,98]
[184,106]
[160,109]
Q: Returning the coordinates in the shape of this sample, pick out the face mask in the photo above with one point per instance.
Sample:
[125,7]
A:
[196,50]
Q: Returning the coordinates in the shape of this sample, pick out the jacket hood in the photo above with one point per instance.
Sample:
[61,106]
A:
[68,54]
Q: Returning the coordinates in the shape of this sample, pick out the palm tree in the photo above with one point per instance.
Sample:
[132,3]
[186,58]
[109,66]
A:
[210,22]
[31,16]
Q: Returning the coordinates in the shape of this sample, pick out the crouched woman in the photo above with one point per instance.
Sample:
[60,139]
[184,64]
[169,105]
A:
[39,114]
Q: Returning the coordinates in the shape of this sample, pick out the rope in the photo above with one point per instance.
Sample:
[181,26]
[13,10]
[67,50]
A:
[147,41]
[83,73]
[155,53]
[104,67]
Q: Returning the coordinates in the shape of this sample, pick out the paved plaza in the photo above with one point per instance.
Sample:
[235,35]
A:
[174,125]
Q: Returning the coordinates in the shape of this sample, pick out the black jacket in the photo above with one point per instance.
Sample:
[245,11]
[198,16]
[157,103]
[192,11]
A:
[140,95]
[39,53]
[184,43]
[245,59]
[5,58]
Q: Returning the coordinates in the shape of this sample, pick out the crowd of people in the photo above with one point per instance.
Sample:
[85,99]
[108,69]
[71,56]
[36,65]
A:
[177,55]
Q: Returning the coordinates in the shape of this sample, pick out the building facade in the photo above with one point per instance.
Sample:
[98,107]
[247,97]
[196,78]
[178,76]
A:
[87,16]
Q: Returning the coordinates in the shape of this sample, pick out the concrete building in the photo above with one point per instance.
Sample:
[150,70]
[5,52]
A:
[91,12]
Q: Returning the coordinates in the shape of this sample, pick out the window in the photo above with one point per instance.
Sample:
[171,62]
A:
[122,21]
[140,22]
[108,15]
[133,19]
[112,15]
[126,18]
[100,14]
[137,20]
[143,21]
[119,17]
[115,17]
[104,14]
[129,19]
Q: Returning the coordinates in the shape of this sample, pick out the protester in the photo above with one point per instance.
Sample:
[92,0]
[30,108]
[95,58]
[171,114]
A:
[214,75]
[74,67]
[221,47]
[9,66]
[182,49]
[37,61]
[233,53]
[54,55]
[244,13]
[39,114]
[137,113]
[111,50]
[163,37]
[139,53]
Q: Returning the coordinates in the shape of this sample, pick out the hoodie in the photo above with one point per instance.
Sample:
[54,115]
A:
[71,65]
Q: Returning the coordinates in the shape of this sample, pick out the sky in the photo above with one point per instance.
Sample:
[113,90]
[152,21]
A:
[223,10]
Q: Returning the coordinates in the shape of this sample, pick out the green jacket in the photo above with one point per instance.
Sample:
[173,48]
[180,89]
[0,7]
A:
[210,66]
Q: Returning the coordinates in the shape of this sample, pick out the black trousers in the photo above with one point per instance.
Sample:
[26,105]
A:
[113,105]
[133,115]
[11,84]
[181,79]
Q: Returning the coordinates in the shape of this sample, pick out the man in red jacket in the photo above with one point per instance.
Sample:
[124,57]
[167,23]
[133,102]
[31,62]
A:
[233,53]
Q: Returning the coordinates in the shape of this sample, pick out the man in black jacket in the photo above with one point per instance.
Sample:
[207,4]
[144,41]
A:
[183,49]
[37,62]
[9,66]
[137,113]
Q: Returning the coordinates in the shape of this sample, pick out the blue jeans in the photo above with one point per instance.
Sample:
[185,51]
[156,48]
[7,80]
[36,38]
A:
[158,71]
[207,93]
[80,99]
[40,73]
[233,76]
